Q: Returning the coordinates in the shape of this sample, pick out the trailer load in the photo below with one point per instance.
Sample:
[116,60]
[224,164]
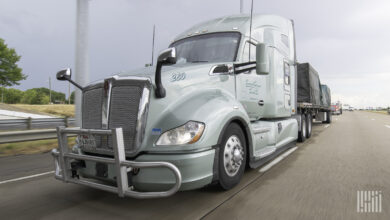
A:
[309,86]
[325,96]
[313,99]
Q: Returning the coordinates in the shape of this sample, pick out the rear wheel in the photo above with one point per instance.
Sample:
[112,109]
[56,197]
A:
[302,132]
[328,118]
[232,157]
[309,122]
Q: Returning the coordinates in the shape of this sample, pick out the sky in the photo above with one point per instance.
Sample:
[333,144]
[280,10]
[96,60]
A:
[346,41]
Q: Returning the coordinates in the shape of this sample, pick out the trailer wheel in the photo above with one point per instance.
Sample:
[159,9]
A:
[302,133]
[309,122]
[328,119]
[232,157]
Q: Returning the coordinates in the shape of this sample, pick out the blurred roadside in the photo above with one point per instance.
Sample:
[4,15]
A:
[21,111]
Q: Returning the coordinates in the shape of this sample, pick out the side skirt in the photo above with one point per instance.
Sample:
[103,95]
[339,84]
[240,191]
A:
[257,163]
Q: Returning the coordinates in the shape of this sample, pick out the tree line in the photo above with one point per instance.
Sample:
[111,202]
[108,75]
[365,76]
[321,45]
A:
[35,96]
[11,74]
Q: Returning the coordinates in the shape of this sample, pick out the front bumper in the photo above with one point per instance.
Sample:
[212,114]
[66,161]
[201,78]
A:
[154,178]
[63,171]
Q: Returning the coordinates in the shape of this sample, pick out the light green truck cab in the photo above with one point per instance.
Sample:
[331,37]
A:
[226,101]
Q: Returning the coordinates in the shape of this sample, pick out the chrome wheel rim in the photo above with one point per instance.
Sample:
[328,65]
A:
[309,125]
[233,155]
[303,128]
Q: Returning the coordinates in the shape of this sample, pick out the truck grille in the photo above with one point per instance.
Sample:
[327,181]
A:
[123,111]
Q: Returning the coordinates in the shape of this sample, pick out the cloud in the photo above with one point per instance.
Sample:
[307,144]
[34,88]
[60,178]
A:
[364,90]
[346,41]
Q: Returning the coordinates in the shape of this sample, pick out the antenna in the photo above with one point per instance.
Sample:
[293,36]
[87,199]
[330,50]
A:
[241,6]
[154,31]
[250,31]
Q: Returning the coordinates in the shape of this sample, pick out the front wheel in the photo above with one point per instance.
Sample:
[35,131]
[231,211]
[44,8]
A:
[232,157]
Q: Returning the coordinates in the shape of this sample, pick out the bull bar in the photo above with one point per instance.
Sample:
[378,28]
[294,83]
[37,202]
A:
[62,158]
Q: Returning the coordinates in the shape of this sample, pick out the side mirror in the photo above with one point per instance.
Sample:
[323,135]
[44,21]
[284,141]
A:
[167,56]
[262,59]
[65,74]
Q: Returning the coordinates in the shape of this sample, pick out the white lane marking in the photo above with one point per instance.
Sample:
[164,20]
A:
[277,160]
[373,119]
[337,119]
[326,126]
[25,177]
[22,114]
[388,126]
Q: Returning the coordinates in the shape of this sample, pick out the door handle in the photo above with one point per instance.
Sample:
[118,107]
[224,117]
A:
[261,102]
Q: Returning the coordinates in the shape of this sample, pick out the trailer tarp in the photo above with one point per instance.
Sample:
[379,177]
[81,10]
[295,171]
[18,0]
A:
[308,84]
[325,97]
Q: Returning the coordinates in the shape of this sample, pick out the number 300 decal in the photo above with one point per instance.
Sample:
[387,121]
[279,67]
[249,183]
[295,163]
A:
[177,77]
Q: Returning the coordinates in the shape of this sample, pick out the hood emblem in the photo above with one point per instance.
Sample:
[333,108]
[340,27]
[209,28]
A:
[177,77]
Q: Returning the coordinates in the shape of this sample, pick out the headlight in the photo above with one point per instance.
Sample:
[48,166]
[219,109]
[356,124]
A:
[186,134]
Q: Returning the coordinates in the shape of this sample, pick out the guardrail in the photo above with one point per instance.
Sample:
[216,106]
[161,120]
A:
[32,135]
[29,123]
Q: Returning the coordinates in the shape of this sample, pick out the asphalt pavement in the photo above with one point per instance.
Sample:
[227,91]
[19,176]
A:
[319,180]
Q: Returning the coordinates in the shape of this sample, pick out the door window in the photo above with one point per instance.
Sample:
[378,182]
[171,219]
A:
[245,55]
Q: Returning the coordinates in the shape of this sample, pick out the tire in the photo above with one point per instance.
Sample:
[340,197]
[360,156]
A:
[309,123]
[302,132]
[328,119]
[232,157]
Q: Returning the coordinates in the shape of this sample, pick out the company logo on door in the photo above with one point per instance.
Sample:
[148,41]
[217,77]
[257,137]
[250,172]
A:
[252,86]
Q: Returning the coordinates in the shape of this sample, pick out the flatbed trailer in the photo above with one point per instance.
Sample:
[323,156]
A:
[320,113]
[313,100]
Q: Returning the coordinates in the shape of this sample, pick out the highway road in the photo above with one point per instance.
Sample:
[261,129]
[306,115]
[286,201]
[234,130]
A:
[319,180]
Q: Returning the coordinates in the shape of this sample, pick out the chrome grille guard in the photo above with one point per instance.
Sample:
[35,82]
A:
[62,158]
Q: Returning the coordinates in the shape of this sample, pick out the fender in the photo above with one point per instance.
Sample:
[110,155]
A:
[214,107]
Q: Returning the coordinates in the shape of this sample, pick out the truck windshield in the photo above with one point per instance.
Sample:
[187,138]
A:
[215,47]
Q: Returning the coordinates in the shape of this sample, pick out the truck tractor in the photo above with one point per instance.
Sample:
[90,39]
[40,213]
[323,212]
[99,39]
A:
[220,99]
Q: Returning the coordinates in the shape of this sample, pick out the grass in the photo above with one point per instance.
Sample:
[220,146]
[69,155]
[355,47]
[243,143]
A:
[40,146]
[380,112]
[31,147]
[55,109]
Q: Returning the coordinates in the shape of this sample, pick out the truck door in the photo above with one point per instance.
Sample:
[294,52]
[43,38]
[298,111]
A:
[250,86]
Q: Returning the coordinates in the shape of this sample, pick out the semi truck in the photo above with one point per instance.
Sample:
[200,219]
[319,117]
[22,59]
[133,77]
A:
[337,108]
[221,98]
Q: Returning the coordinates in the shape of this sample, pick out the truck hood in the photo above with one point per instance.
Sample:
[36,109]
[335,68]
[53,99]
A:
[190,92]
[179,79]
[167,71]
